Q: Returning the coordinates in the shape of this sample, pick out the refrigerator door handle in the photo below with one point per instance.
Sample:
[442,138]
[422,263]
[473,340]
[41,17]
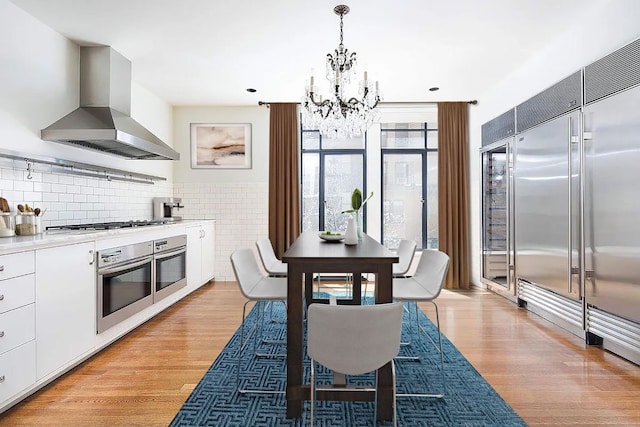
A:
[573,206]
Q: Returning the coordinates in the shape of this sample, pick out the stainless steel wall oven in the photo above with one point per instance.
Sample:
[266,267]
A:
[133,277]
[125,278]
[170,257]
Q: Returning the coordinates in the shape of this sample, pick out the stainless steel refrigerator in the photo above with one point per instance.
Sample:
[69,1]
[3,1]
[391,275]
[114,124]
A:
[547,204]
[612,201]
[575,217]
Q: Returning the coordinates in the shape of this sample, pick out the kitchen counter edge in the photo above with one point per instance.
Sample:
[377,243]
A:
[14,244]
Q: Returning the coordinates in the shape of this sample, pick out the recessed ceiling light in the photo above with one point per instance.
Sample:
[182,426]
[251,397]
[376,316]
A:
[433,89]
[252,90]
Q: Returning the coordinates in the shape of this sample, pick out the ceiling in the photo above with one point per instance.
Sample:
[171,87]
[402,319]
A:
[208,52]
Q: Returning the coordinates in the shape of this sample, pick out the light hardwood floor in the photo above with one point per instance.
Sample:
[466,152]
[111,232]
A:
[548,376]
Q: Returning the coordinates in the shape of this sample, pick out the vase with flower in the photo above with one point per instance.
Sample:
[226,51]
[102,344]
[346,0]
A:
[356,204]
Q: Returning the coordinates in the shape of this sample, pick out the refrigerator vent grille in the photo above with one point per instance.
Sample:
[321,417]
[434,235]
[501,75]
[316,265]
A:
[499,128]
[619,335]
[560,310]
[560,98]
[615,72]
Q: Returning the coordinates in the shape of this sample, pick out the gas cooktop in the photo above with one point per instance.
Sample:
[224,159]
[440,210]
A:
[108,225]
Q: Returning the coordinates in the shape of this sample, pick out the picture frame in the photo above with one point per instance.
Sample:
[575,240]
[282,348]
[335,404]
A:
[221,145]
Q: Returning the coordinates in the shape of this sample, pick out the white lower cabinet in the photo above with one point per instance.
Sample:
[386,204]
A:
[17,327]
[48,308]
[17,323]
[65,305]
[200,253]
[17,370]
[14,265]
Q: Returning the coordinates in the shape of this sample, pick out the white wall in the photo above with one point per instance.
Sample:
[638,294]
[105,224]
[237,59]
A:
[599,31]
[39,83]
[238,199]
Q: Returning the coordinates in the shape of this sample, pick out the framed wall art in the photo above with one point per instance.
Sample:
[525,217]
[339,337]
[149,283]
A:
[221,145]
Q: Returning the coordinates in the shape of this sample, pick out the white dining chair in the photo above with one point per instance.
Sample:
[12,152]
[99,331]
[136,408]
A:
[425,286]
[353,340]
[256,287]
[406,251]
[270,262]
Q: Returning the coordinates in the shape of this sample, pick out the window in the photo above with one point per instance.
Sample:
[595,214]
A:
[330,170]
[409,183]
[397,160]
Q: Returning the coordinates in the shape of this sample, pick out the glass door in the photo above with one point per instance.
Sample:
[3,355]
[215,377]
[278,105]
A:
[497,255]
[403,198]
[409,184]
[342,173]
[331,169]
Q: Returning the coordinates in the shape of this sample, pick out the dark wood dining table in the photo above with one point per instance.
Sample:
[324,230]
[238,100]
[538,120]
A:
[310,254]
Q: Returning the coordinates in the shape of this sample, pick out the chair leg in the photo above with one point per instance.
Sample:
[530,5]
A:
[270,304]
[375,402]
[313,391]
[444,385]
[240,351]
[408,343]
[265,341]
[395,391]
[394,395]
[438,347]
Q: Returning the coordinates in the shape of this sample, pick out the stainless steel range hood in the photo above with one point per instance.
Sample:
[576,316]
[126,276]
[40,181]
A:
[103,120]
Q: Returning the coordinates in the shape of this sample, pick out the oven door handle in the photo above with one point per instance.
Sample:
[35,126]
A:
[124,267]
[163,255]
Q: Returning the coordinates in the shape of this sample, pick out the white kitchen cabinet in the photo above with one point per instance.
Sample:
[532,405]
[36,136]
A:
[65,305]
[200,253]
[17,323]
[17,327]
[17,292]
[14,265]
[17,370]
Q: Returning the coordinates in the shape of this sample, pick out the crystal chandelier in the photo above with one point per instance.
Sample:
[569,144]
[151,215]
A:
[341,116]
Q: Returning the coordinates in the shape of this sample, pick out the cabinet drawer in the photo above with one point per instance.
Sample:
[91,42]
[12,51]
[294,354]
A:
[13,265]
[17,327]
[17,292]
[17,370]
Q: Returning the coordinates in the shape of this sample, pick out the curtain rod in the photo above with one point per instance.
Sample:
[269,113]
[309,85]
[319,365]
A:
[472,102]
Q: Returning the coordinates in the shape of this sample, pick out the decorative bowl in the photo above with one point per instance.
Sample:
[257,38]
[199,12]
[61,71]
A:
[331,236]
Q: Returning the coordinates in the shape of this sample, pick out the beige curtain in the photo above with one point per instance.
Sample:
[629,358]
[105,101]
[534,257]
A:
[284,205]
[453,191]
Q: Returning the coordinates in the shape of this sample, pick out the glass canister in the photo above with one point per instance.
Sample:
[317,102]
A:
[28,224]
[7,224]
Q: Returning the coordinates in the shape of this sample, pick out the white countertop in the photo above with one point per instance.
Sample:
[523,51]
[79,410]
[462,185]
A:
[68,237]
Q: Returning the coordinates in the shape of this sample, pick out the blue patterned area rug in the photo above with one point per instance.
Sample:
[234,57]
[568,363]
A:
[469,400]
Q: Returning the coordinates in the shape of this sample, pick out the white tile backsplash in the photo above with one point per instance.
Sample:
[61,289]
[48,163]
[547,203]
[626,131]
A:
[70,199]
[241,211]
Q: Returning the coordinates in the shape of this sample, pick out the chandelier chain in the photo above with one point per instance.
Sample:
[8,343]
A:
[341,26]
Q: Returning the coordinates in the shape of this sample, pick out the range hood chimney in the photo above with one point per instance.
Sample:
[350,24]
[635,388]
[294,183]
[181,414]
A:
[103,120]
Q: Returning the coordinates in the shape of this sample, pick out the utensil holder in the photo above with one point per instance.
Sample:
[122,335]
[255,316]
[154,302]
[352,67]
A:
[7,224]
[27,224]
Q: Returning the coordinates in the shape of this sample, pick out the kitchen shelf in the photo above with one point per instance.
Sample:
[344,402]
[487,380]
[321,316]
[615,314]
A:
[69,167]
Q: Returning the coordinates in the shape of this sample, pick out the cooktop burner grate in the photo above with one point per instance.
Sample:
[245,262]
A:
[107,225]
